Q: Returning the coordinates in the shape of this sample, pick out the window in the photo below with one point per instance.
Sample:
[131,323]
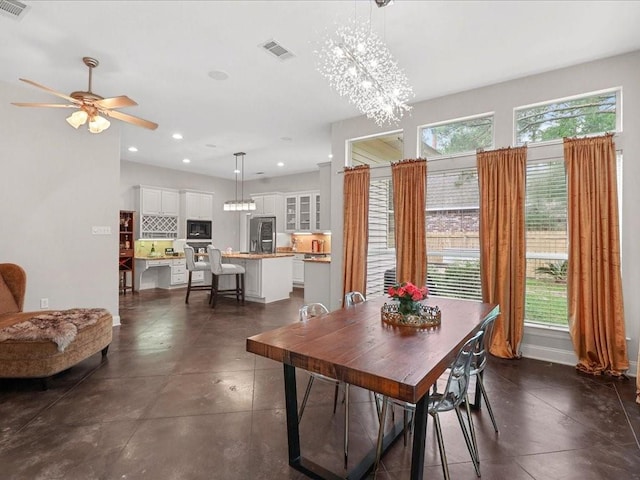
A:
[381,252]
[547,243]
[453,242]
[590,114]
[456,137]
[379,151]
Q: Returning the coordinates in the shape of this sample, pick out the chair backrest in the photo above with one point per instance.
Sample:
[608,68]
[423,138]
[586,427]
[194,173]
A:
[479,360]
[353,298]
[189,256]
[215,258]
[16,279]
[456,389]
[312,310]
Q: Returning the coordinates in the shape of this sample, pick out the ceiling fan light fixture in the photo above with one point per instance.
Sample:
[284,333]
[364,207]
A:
[77,118]
[98,124]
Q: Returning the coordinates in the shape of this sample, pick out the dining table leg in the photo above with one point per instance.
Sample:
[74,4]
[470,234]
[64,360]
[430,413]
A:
[291,403]
[419,438]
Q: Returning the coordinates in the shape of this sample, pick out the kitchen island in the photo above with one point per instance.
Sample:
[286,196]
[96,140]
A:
[317,279]
[268,276]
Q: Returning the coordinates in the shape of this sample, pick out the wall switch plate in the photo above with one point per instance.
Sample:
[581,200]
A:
[44,303]
[101,230]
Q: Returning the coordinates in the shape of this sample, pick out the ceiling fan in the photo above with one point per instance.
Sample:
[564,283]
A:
[90,105]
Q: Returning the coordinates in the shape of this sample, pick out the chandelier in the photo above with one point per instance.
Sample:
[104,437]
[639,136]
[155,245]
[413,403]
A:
[359,66]
[239,205]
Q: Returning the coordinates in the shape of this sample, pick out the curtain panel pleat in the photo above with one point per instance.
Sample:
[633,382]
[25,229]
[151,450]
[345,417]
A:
[594,283]
[409,193]
[502,182]
[356,229]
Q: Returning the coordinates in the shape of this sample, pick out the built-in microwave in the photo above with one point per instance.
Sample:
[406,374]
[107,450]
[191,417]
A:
[199,230]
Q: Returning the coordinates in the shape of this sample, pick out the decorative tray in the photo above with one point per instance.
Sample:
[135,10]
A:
[429,316]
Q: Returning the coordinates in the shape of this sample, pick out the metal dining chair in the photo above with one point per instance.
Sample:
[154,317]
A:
[194,265]
[479,362]
[316,310]
[453,396]
[353,298]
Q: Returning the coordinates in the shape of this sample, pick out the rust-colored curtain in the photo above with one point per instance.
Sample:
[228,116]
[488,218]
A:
[409,192]
[356,229]
[502,181]
[594,284]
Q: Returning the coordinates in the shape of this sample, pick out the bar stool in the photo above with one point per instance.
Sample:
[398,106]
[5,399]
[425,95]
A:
[194,265]
[217,269]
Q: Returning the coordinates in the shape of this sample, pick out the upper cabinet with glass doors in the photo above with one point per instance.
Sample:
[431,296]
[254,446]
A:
[301,212]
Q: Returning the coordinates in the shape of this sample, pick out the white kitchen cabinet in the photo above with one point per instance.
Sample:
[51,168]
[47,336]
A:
[158,201]
[178,271]
[269,204]
[198,205]
[291,213]
[316,212]
[298,269]
[300,212]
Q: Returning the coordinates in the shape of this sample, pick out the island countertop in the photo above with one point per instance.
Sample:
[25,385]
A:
[255,256]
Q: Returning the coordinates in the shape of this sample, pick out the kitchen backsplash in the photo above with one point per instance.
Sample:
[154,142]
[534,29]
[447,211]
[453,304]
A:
[143,247]
[304,243]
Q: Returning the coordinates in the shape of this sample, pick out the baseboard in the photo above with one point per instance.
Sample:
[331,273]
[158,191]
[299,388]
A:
[563,357]
[116,320]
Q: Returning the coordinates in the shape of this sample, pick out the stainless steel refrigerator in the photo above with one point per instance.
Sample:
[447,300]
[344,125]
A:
[262,235]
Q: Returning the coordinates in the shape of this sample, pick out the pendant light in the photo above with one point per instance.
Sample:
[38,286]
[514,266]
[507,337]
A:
[242,204]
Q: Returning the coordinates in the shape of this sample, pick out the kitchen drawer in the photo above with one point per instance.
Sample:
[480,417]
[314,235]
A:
[158,263]
[178,278]
[176,269]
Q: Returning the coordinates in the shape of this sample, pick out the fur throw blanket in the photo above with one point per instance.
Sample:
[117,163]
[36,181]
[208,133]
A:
[60,327]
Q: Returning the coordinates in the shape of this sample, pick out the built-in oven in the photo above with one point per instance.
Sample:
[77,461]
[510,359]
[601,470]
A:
[199,229]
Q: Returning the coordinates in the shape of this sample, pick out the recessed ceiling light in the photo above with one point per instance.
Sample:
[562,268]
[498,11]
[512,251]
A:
[331,155]
[177,136]
[286,139]
[186,160]
[280,164]
[218,75]
[133,149]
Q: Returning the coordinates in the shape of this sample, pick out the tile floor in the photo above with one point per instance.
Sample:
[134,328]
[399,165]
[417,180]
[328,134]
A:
[180,398]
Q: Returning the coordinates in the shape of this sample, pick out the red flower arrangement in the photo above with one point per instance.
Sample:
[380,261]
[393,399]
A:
[408,296]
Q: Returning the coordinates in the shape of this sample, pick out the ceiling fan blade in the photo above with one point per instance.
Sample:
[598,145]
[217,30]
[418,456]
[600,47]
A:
[115,102]
[51,90]
[47,105]
[131,119]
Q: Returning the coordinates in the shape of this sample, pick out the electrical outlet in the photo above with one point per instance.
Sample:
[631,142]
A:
[101,230]
[44,303]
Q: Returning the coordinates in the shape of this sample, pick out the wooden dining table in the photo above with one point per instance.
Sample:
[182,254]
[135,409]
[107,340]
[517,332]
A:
[354,346]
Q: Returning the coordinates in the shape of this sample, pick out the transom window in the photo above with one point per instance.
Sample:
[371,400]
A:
[589,114]
[456,137]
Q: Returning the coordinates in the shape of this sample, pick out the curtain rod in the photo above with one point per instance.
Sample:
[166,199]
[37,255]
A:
[441,159]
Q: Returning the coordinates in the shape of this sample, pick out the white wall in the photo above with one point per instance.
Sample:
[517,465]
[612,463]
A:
[56,183]
[623,70]
[289,183]
[225,224]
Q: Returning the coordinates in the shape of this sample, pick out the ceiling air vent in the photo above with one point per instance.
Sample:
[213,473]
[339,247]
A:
[275,49]
[13,9]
